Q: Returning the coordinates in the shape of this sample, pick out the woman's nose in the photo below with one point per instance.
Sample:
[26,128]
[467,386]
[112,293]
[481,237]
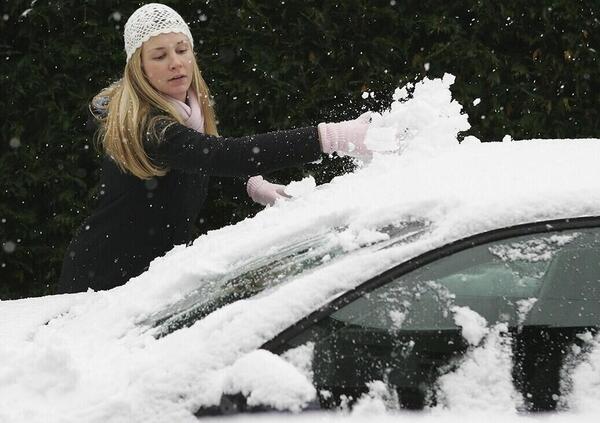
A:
[175,62]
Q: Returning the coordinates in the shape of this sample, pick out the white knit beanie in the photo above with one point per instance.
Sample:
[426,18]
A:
[150,20]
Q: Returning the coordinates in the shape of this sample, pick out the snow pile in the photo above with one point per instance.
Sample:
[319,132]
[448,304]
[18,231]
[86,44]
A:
[584,379]
[379,399]
[299,188]
[301,358]
[88,357]
[473,326]
[423,120]
[256,376]
[482,380]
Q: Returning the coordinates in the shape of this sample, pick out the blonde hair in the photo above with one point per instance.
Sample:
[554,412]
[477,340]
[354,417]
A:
[128,120]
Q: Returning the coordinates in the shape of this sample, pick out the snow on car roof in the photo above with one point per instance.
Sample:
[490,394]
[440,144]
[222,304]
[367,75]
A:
[87,357]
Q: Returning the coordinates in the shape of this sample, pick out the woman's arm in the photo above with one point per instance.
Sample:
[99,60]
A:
[186,149]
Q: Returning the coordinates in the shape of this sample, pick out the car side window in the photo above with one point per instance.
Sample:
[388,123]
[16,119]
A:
[404,332]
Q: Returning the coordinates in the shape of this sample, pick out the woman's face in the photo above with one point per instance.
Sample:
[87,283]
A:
[167,63]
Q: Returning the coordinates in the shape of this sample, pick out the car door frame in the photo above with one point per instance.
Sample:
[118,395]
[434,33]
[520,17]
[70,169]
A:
[280,343]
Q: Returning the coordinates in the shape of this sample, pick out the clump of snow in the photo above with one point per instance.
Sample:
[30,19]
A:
[397,317]
[470,140]
[581,383]
[482,380]
[524,306]
[354,238]
[380,398]
[382,139]
[425,121]
[257,376]
[586,337]
[301,358]
[473,325]
[300,188]
[539,249]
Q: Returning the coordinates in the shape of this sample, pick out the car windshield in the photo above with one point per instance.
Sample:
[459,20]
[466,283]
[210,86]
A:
[265,271]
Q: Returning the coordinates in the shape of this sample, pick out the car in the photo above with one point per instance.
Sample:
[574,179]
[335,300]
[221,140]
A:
[441,276]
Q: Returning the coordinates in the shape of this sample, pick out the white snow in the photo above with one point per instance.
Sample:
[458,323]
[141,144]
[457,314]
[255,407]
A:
[397,317]
[299,188]
[257,374]
[427,124]
[89,358]
[524,306]
[482,380]
[379,399]
[584,380]
[539,249]
[473,326]
[301,358]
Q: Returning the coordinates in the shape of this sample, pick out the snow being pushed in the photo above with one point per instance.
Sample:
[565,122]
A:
[423,119]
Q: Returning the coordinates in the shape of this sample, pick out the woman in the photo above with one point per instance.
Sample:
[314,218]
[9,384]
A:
[159,134]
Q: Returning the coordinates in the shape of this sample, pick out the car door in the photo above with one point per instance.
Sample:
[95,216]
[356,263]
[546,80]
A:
[408,328]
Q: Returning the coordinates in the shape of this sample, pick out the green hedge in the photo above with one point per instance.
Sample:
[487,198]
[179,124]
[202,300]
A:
[271,65]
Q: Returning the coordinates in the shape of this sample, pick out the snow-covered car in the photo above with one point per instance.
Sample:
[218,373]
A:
[528,293]
[439,276]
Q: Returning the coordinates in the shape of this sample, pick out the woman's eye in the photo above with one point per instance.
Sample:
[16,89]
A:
[162,56]
[182,51]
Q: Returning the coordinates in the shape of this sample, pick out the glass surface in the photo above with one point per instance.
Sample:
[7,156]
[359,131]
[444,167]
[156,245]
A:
[545,287]
[263,271]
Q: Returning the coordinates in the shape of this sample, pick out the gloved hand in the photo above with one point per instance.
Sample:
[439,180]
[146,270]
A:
[347,137]
[264,192]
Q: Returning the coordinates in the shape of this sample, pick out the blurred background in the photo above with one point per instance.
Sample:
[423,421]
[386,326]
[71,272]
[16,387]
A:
[528,69]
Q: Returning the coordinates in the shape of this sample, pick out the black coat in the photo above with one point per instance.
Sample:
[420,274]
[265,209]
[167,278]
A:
[137,220]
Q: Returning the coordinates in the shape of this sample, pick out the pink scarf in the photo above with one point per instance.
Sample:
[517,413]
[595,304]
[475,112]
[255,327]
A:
[192,113]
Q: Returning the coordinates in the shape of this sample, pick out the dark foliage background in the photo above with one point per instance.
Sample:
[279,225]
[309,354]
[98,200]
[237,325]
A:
[271,65]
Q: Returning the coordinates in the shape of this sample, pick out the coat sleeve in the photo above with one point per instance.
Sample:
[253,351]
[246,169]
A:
[183,148]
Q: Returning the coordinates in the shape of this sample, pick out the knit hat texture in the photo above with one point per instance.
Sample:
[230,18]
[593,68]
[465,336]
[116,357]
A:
[150,20]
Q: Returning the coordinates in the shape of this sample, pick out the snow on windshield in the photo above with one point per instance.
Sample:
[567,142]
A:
[86,357]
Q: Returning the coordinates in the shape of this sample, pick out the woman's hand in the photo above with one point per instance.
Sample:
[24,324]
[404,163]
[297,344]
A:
[347,137]
[264,192]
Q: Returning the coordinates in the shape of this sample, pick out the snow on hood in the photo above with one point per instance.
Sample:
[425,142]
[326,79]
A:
[86,357]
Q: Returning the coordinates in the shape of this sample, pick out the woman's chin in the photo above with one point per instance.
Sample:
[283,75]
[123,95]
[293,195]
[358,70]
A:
[179,94]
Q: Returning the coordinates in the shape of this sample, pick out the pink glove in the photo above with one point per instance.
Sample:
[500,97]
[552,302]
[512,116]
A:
[264,192]
[347,137]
